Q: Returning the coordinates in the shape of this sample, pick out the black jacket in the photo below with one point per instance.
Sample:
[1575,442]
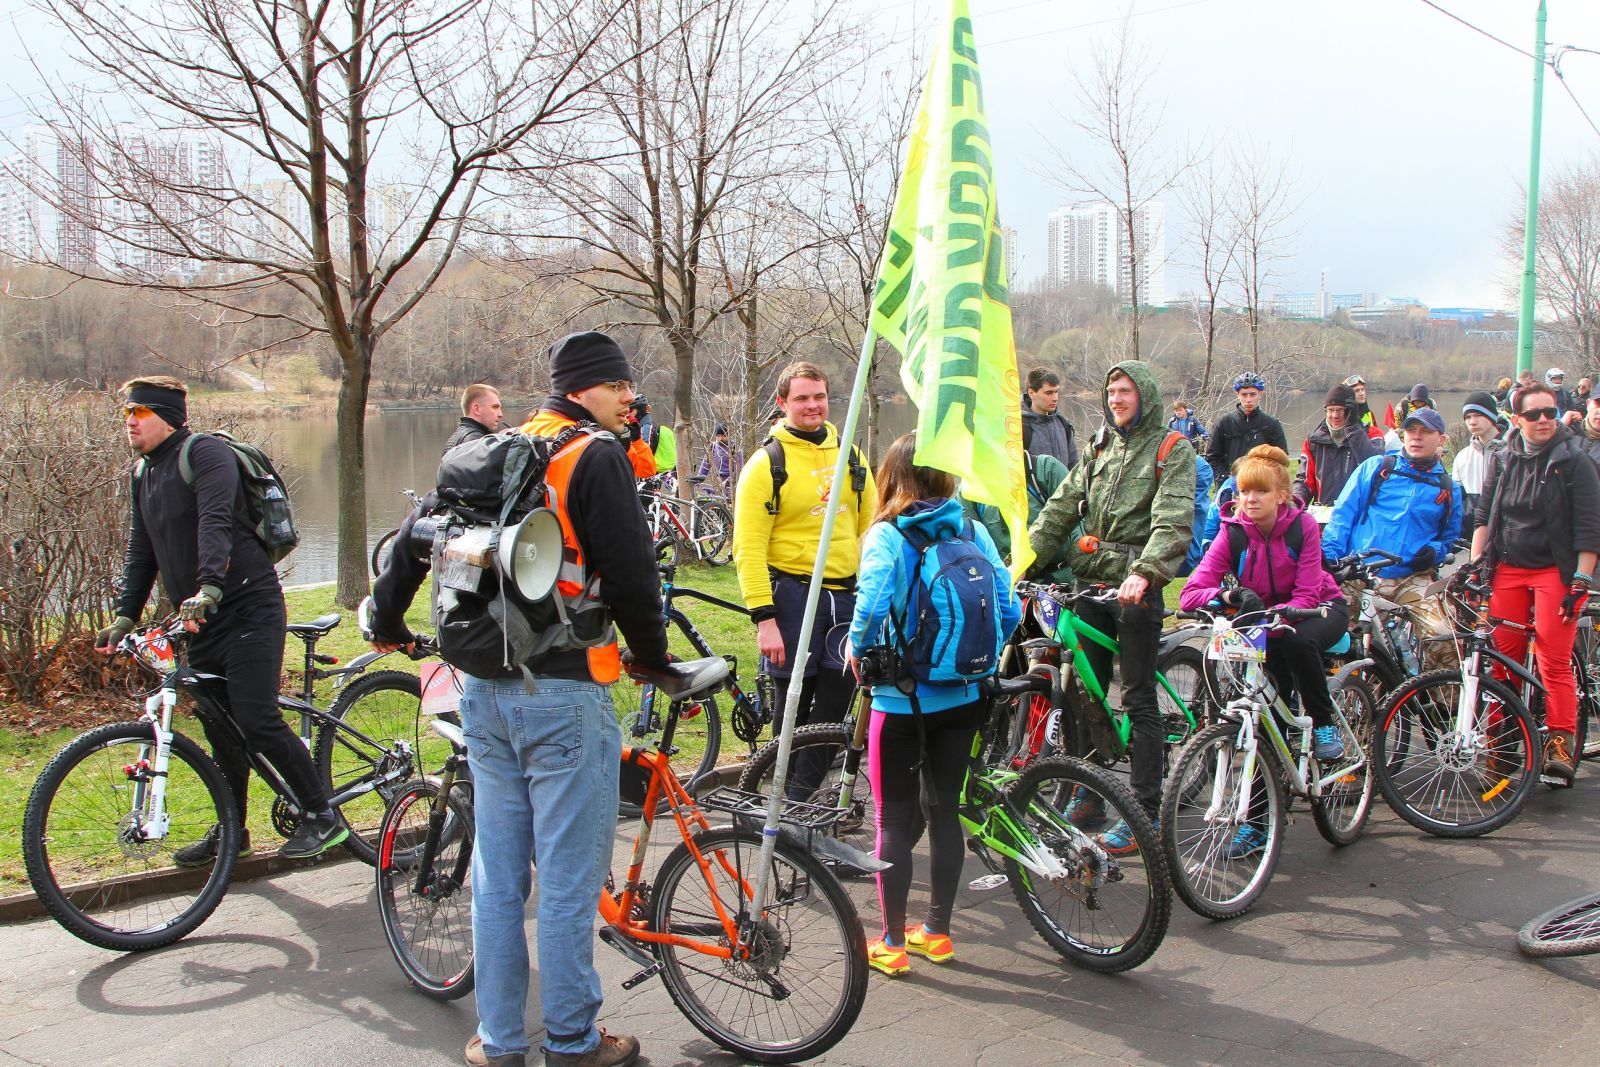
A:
[468,429]
[1531,525]
[192,535]
[1050,435]
[1325,465]
[1236,433]
[603,505]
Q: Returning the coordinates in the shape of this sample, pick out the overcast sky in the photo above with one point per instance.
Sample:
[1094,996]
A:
[1407,132]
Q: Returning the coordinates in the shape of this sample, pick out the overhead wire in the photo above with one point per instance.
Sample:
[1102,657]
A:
[1479,29]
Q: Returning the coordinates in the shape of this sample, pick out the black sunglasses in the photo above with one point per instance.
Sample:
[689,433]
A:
[1536,414]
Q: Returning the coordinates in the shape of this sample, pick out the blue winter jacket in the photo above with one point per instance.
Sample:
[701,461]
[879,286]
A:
[1203,479]
[884,581]
[1406,517]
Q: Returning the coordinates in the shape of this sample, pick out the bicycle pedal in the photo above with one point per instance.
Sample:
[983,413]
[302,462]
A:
[1555,781]
[643,976]
[987,882]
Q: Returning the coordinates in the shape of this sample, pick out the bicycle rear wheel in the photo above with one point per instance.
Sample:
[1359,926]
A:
[857,827]
[696,741]
[1104,912]
[1221,863]
[1341,811]
[1570,929]
[426,908]
[387,707]
[83,848]
[1184,668]
[1446,784]
[803,977]
[715,532]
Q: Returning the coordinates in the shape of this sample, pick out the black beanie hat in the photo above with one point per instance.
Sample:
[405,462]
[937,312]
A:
[1340,396]
[581,360]
[170,404]
[1419,395]
[1483,404]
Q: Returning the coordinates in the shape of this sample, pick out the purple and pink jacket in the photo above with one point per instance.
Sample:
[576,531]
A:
[1270,569]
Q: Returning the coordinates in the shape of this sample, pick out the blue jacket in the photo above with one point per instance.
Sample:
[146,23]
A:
[1406,517]
[1203,478]
[884,581]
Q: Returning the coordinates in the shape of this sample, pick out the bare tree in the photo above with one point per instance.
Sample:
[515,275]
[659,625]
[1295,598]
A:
[1263,216]
[687,147]
[1213,241]
[1118,112]
[1567,257]
[254,139]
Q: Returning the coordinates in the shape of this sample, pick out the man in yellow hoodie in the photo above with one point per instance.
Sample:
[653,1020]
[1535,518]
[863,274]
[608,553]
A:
[783,493]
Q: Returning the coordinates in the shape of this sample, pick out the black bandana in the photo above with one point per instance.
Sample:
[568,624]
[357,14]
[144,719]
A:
[171,405]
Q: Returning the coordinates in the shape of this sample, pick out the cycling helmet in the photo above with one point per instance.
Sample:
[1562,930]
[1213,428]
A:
[1552,374]
[1249,380]
[640,402]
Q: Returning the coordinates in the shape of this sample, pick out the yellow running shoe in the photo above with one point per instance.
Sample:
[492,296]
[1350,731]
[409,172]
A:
[890,959]
[935,947]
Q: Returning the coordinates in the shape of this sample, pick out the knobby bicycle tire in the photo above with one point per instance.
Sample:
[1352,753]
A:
[1427,778]
[1214,876]
[79,857]
[429,932]
[387,707]
[1570,929]
[1108,912]
[809,950]
[1342,811]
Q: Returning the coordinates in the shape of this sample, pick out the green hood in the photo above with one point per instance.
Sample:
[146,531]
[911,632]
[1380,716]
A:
[1116,493]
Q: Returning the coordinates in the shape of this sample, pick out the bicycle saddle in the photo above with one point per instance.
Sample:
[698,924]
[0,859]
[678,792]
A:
[684,678]
[317,626]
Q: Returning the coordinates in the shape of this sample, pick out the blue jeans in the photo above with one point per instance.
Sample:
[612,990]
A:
[544,772]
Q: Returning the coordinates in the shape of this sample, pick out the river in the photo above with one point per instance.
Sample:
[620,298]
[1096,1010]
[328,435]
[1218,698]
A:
[403,451]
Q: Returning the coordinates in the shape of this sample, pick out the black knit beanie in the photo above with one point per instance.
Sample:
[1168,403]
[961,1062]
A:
[581,360]
[1340,396]
[171,405]
[1483,404]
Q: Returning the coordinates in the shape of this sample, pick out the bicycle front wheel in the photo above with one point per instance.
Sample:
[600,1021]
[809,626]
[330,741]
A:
[387,707]
[1184,668]
[1571,929]
[1447,783]
[797,978]
[425,889]
[84,840]
[1341,810]
[1102,911]
[716,532]
[1220,858]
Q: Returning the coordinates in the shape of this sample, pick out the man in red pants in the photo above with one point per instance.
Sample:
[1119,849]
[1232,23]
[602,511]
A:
[1539,522]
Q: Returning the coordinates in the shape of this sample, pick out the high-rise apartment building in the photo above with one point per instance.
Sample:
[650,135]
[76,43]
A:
[1087,245]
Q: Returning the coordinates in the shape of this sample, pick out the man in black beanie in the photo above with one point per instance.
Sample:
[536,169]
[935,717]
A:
[1333,450]
[196,533]
[594,357]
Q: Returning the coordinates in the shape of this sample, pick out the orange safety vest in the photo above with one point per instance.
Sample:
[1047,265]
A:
[573,581]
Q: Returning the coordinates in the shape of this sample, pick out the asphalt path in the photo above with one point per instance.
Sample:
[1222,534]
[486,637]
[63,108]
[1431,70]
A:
[1398,949]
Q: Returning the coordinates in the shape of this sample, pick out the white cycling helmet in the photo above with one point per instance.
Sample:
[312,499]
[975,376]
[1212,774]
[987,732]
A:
[1554,374]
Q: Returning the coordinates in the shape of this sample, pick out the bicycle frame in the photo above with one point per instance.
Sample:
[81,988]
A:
[753,702]
[662,506]
[1001,829]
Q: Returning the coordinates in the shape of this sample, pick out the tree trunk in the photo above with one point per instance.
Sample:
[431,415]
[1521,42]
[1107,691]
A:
[683,406]
[351,418]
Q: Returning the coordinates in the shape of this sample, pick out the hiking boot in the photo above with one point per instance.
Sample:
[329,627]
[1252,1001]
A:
[1247,841]
[203,853]
[614,1050]
[1326,744]
[476,1057]
[314,837]
[1119,839]
[920,941]
[1558,758]
[1085,810]
[886,958]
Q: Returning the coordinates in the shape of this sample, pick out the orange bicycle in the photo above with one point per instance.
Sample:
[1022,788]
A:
[776,987]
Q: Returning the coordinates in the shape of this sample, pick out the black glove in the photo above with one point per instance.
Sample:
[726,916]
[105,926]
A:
[1425,560]
[1243,601]
[1577,595]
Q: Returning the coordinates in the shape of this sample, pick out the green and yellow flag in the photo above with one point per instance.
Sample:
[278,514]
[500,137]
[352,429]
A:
[941,295]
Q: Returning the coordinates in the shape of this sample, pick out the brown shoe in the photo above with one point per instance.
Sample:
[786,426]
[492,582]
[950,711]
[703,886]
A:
[1558,760]
[614,1050]
[476,1057]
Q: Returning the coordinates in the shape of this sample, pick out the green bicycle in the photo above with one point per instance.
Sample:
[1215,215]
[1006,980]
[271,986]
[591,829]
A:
[1101,911]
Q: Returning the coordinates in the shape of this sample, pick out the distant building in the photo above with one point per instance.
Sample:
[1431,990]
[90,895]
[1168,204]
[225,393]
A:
[1087,245]
[1008,237]
[1467,315]
[1307,305]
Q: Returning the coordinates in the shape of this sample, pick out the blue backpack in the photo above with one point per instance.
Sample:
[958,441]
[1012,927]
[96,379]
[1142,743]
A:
[950,634]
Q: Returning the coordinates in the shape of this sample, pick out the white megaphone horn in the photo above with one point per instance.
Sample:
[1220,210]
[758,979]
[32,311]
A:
[529,554]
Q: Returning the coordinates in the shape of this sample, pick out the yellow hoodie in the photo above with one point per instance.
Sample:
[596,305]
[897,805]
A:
[788,541]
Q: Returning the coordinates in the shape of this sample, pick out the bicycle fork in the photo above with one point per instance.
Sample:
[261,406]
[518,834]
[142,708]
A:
[148,816]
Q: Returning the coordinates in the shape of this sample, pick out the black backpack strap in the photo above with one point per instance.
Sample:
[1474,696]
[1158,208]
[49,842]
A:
[780,472]
[1238,541]
[1385,469]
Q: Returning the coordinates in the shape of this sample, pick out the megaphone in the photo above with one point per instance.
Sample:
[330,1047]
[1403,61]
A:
[528,554]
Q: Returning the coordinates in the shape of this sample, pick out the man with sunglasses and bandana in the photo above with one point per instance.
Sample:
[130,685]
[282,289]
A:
[1539,531]
[197,535]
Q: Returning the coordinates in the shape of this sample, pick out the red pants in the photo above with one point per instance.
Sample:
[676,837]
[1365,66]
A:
[1517,594]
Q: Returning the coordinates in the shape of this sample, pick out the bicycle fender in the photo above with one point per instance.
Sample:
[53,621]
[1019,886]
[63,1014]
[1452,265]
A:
[1171,639]
[1513,666]
[1343,674]
[354,668]
[831,848]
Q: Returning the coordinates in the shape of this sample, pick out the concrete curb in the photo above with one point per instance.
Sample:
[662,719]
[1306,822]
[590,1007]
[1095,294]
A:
[259,864]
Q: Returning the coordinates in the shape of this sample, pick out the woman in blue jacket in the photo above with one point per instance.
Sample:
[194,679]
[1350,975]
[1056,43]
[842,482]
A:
[919,501]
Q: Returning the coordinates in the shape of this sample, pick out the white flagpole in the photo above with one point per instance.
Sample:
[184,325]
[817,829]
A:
[791,707]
